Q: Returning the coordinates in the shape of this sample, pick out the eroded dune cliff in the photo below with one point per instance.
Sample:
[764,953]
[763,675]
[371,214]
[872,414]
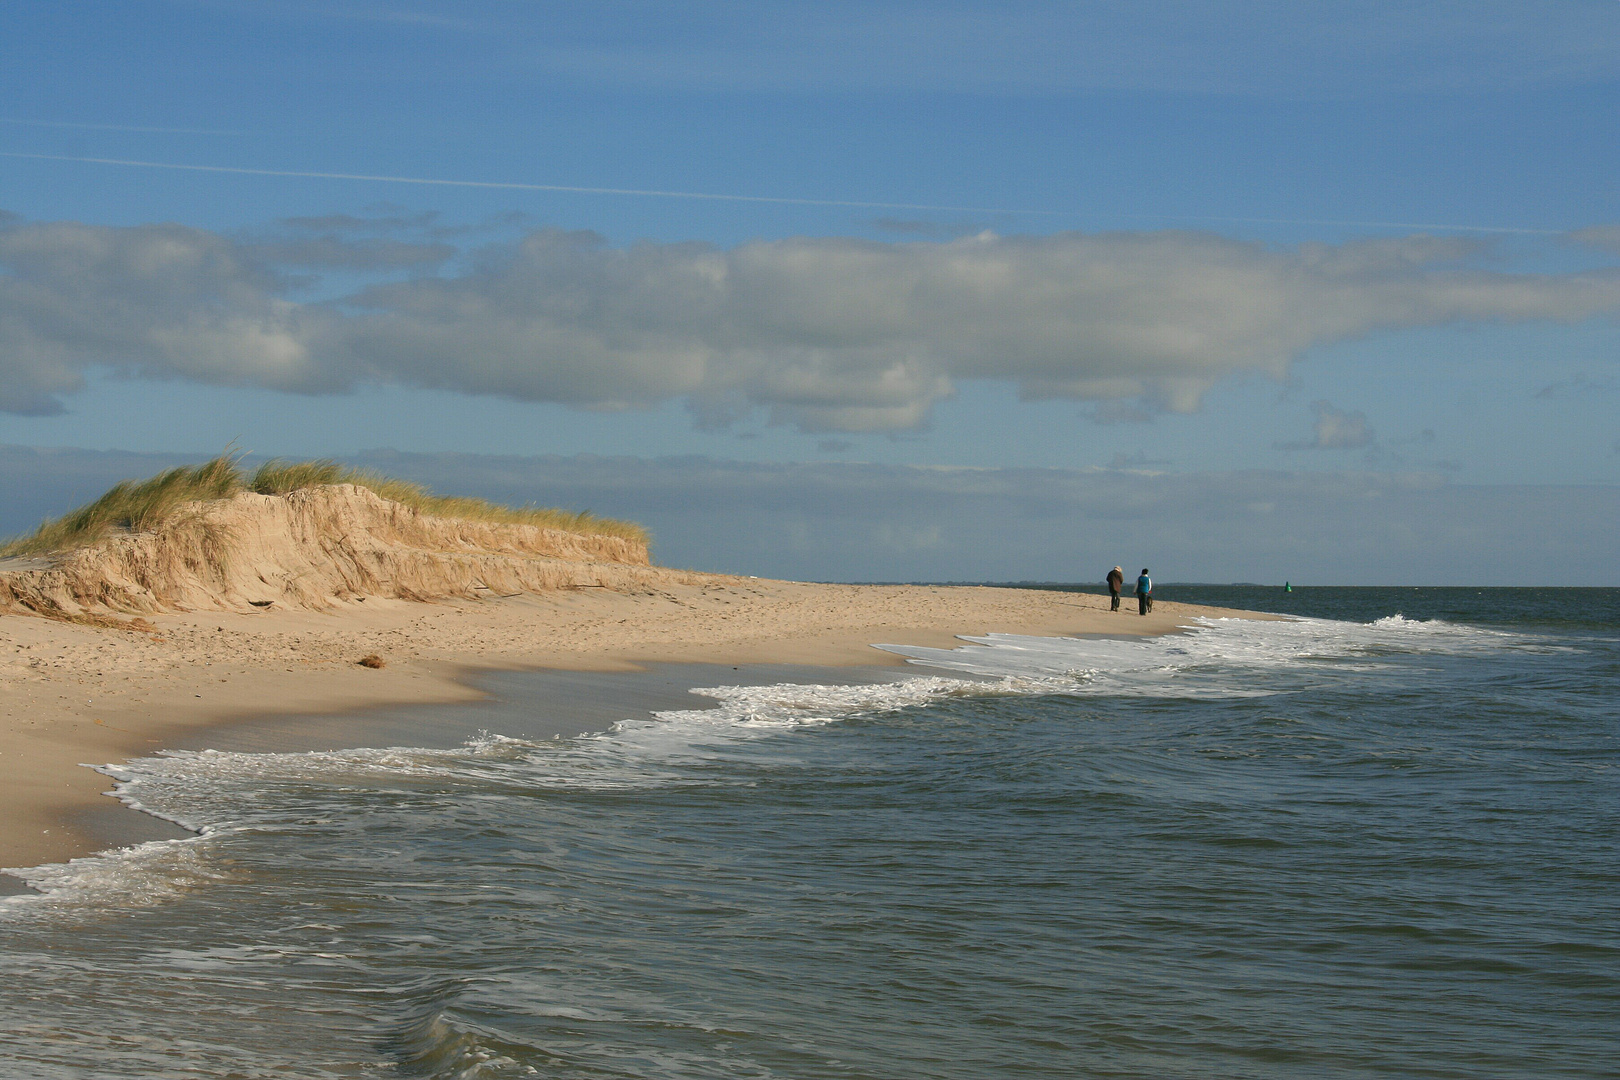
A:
[308,549]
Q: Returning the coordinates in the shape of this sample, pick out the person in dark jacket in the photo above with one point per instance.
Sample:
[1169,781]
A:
[1116,582]
[1144,593]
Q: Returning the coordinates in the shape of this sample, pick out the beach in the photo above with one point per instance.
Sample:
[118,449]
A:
[1369,839]
[72,695]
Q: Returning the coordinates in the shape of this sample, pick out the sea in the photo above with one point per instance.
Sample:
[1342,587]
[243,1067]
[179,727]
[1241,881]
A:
[1377,838]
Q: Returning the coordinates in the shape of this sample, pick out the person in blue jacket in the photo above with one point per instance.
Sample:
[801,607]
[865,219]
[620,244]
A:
[1144,593]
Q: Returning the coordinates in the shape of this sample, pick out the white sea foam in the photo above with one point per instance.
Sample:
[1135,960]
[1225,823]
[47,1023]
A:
[133,877]
[1213,658]
[217,793]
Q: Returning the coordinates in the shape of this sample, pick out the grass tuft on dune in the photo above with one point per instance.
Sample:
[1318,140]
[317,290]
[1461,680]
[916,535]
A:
[140,506]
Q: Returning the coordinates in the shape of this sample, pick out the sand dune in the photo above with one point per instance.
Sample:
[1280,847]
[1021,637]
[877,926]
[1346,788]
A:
[264,604]
[310,549]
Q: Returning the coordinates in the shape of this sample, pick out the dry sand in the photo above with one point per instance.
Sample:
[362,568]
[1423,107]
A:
[73,694]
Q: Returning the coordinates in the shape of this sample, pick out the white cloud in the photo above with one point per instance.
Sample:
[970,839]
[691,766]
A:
[828,334]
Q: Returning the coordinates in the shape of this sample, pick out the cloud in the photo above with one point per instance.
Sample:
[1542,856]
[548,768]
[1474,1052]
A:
[1335,429]
[165,300]
[1425,437]
[1604,237]
[396,220]
[1121,412]
[1138,460]
[332,252]
[827,334]
[387,219]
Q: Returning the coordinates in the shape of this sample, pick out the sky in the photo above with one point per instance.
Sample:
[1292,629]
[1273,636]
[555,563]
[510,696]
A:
[855,291]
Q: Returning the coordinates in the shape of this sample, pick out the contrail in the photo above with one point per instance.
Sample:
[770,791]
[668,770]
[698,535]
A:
[780,200]
[117,127]
[514,186]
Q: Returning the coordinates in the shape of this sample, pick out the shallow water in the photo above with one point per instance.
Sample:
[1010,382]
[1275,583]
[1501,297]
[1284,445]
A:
[1360,844]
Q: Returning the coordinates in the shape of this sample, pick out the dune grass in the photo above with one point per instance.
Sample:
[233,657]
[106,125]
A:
[132,505]
[277,477]
[139,506]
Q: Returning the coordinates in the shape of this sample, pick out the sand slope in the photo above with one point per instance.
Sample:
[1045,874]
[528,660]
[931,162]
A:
[309,549]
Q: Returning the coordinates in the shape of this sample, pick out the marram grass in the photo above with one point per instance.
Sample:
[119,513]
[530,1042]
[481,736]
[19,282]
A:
[140,506]
[133,505]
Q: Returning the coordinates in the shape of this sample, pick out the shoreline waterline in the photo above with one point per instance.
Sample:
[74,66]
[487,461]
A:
[151,693]
[577,702]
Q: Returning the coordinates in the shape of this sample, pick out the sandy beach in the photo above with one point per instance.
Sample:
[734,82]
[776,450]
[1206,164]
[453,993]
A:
[72,695]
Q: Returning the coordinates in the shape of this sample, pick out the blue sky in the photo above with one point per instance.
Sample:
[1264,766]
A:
[1159,240]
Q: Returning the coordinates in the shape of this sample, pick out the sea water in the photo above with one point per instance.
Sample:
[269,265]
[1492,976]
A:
[1378,839]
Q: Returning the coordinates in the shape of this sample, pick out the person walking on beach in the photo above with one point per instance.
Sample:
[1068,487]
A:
[1144,593]
[1116,582]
